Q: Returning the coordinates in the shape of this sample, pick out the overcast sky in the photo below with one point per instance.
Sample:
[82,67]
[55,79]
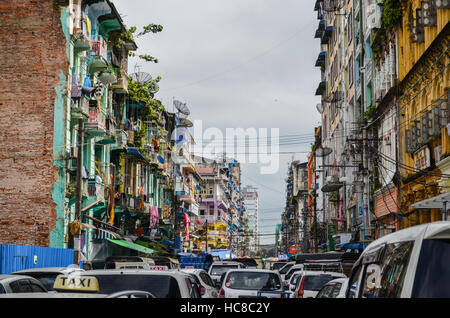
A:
[237,64]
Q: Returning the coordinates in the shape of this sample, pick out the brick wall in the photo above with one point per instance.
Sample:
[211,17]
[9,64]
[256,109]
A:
[32,56]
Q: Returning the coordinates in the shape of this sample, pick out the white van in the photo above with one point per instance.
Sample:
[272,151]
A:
[410,263]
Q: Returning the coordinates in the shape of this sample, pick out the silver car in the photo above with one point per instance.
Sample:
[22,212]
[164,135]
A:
[252,283]
[207,288]
[11,284]
[47,275]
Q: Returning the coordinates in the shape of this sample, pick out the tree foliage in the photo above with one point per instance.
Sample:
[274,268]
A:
[129,36]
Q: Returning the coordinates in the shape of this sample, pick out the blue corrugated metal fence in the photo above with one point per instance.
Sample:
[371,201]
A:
[18,257]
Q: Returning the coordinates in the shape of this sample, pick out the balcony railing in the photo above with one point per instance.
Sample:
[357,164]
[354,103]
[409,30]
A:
[99,52]
[96,189]
[96,126]
[79,107]
[82,39]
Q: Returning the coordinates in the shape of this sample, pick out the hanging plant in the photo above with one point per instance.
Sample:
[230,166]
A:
[392,13]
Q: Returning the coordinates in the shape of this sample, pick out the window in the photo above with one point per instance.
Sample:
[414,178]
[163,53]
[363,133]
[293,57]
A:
[35,288]
[206,279]
[162,286]
[20,286]
[432,277]
[336,289]
[253,281]
[325,292]
[316,282]
[2,289]
[192,286]
[385,279]
[350,71]
[202,212]
[353,284]
[217,270]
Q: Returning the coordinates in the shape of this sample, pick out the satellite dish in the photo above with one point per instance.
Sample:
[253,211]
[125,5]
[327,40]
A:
[181,107]
[154,89]
[186,122]
[141,77]
[319,108]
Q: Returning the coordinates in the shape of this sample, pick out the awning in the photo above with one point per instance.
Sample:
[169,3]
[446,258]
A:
[132,246]
[136,152]
[436,202]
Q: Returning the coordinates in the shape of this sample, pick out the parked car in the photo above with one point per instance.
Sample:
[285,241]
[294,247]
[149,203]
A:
[118,262]
[283,271]
[278,265]
[410,263]
[47,275]
[291,283]
[252,283]
[335,288]
[292,270]
[207,288]
[218,268]
[160,283]
[11,284]
[309,283]
[75,286]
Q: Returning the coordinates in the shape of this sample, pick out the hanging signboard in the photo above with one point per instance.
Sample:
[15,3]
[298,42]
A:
[422,158]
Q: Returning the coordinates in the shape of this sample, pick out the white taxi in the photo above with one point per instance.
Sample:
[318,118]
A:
[410,263]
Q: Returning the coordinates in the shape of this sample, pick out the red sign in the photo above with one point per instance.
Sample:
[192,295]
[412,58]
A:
[158,268]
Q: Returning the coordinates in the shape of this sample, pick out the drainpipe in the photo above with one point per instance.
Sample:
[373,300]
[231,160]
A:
[77,241]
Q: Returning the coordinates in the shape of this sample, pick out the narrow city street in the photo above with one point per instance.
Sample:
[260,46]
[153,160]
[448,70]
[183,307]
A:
[234,149]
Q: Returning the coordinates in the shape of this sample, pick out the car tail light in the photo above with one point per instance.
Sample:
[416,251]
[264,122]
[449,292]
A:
[300,289]
[202,290]
[222,293]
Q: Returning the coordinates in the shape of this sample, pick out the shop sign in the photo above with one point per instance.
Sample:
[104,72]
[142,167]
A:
[422,159]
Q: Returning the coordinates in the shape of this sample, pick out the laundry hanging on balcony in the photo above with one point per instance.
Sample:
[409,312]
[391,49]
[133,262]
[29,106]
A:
[186,224]
[87,86]
[76,88]
[154,216]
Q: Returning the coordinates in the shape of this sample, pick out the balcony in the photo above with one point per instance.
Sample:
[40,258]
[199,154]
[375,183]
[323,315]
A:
[326,35]
[96,189]
[81,37]
[99,54]
[321,88]
[79,107]
[321,59]
[320,29]
[121,86]
[96,125]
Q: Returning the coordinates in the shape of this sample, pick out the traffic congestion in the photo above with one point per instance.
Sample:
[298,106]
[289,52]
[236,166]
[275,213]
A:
[411,263]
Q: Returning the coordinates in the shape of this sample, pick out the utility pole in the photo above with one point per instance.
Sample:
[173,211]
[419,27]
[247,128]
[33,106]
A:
[77,241]
[207,235]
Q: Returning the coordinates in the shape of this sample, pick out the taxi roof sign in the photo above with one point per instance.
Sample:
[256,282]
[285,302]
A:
[76,283]
[159,268]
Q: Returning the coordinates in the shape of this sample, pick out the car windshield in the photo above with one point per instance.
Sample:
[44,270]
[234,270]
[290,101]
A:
[277,266]
[432,279]
[218,270]
[285,269]
[253,281]
[162,286]
[316,282]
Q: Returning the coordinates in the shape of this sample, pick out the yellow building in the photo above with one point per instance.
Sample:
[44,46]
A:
[424,83]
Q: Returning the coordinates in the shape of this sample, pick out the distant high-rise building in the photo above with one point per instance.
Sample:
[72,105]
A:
[251,204]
